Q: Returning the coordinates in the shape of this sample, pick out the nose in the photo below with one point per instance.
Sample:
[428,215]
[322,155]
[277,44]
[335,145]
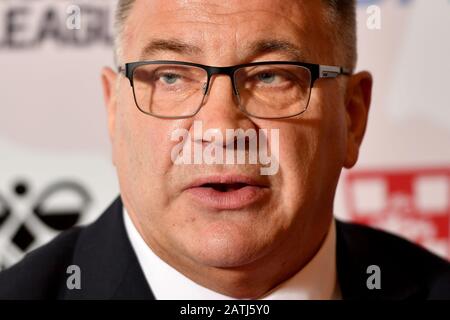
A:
[220,110]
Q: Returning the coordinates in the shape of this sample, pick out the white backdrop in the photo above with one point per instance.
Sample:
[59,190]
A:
[55,167]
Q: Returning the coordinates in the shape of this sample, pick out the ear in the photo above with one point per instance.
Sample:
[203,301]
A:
[358,97]
[109,78]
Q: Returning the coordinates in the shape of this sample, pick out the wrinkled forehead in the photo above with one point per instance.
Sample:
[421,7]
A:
[226,30]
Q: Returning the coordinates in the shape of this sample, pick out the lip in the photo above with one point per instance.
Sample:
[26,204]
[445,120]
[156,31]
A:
[247,192]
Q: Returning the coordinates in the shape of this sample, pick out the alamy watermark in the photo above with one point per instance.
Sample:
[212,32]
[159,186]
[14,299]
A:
[73,281]
[373,21]
[374,280]
[231,149]
[73,21]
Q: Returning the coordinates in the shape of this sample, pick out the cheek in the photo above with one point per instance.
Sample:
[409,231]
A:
[330,147]
[142,142]
[298,145]
[333,133]
[312,152]
[329,138]
[141,150]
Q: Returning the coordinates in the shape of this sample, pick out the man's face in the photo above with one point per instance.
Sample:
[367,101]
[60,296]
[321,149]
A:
[207,227]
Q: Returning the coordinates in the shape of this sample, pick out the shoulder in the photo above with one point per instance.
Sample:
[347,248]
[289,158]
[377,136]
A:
[406,269]
[106,262]
[39,274]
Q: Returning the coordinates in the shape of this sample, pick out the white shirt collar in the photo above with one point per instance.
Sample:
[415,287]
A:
[316,281]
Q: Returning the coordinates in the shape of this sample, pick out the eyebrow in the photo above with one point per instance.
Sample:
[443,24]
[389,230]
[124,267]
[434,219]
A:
[257,48]
[277,46]
[169,45]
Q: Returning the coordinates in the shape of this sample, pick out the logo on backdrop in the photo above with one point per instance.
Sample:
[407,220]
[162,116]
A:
[27,221]
[25,25]
[412,203]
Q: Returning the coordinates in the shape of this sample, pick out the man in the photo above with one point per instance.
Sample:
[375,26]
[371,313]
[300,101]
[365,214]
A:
[189,225]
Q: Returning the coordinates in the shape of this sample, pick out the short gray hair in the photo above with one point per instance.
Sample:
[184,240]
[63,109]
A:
[342,17]
[122,12]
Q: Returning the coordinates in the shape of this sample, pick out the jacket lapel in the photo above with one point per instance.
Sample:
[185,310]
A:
[358,247]
[108,264]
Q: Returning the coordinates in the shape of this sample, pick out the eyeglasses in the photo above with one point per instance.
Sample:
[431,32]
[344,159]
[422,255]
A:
[266,90]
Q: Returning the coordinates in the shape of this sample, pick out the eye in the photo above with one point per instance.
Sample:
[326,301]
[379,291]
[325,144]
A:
[169,78]
[267,77]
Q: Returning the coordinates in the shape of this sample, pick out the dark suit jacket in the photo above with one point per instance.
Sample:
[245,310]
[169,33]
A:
[110,269]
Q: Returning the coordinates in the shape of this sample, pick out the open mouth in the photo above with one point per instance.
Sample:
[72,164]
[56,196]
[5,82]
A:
[227,192]
[224,187]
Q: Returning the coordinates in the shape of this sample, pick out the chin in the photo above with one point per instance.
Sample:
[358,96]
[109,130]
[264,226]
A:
[227,249]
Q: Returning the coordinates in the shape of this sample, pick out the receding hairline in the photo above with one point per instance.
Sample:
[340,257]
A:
[342,14]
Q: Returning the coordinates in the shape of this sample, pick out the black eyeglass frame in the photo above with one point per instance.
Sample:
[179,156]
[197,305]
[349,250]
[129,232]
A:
[317,71]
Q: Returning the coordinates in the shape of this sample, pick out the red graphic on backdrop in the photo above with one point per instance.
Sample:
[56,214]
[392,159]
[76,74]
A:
[411,203]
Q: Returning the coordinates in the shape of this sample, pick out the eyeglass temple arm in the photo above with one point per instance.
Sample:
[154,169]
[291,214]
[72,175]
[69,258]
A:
[332,71]
[121,69]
